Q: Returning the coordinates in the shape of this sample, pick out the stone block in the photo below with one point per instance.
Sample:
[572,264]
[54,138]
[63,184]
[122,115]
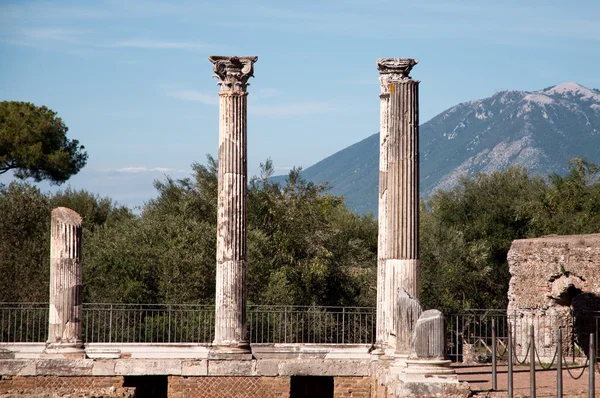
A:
[104,367]
[64,367]
[325,367]
[230,368]
[143,367]
[267,367]
[194,367]
[17,367]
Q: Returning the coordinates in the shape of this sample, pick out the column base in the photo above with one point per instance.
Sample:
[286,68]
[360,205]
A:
[427,377]
[239,351]
[64,350]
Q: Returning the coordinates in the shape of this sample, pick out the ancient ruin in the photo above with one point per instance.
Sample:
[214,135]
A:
[66,283]
[233,74]
[398,239]
[553,279]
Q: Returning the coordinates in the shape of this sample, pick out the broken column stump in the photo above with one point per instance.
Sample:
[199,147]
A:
[66,283]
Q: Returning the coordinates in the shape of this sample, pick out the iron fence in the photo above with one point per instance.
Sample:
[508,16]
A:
[472,336]
[324,325]
[148,323]
[23,322]
[190,323]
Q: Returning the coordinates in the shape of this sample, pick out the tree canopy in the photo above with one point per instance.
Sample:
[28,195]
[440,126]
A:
[34,144]
[304,246]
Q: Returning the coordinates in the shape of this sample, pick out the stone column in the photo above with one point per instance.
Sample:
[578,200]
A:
[230,323]
[398,265]
[64,332]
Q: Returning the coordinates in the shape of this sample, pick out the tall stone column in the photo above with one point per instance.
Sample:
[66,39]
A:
[64,332]
[398,257]
[230,323]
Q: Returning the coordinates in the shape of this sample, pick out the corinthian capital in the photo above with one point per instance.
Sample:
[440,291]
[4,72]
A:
[233,72]
[395,68]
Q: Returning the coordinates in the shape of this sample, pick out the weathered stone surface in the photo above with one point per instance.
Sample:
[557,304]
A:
[194,367]
[398,237]
[103,367]
[17,367]
[65,281]
[410,310]
[230,324]
[547,274]
[429,336]
[143,367]
[64,367]
[324,367]
[230,368]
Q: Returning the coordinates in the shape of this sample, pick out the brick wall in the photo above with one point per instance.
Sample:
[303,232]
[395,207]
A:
[229,387]
[179,386]
[351,387]
[64,385]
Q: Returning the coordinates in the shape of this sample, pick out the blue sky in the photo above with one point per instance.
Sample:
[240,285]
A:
[132,80]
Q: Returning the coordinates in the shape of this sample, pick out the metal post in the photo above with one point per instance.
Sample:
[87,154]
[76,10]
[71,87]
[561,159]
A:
[169,333]
[592,368]
[110,324]
[559,359]
[343,324]
[532,362]
[494,376]
[510,364]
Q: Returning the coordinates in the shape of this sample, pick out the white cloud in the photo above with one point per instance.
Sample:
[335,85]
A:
[193,95]
[159,44]
[132,170]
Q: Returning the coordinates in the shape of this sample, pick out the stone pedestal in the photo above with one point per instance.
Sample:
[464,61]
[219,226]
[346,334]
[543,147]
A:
[65,318]
[230,323]
[398,240]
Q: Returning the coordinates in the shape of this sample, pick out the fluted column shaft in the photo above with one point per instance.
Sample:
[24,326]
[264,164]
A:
[398,263]
[230,326]
[230,303]
[382,309]
[66,280]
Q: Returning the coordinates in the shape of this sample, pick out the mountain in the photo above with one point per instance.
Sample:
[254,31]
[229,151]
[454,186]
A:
[541,130]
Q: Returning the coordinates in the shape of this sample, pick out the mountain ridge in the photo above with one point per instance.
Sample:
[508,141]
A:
[540,130]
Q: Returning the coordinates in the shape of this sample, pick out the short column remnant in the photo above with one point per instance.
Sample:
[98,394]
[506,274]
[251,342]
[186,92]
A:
[398,247]
[427,373]
[230,322]
[66,282]
[410,311]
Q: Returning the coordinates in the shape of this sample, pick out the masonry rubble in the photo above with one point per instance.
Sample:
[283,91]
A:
[552,278]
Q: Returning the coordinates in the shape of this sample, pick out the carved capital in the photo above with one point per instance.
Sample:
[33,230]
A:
[233,72]
[394,70]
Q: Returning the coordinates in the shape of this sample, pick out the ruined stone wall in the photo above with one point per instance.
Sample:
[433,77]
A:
[178,386]
[64,386]
[546,275]
[229,387]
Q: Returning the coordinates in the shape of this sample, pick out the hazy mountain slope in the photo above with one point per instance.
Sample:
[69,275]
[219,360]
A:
[540,130]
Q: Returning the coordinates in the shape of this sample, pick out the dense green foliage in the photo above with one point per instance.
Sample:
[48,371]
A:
[467,231]
[33,143]
[304,246]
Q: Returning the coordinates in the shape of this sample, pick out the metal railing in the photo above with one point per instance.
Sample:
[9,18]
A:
[473,335]
[148,323]
[191,323]
[23,322]
[323,325]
